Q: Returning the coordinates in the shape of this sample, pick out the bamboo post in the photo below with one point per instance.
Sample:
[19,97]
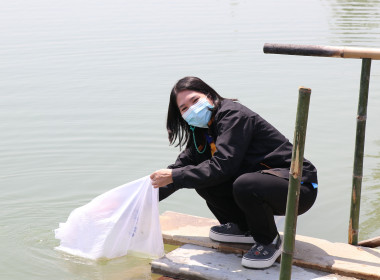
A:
[357,176]
[294,183]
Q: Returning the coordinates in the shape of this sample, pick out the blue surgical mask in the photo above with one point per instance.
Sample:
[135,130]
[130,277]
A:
[199,114]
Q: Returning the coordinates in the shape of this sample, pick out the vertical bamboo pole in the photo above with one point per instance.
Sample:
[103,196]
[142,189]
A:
[357,176]
[294,183]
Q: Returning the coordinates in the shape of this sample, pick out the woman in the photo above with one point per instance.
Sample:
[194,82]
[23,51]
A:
[237,162]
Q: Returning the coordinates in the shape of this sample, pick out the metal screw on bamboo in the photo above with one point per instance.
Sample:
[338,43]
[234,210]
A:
[353,232]
[294,183]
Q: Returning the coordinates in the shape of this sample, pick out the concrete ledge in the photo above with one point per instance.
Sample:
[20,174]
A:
[193,262]
[180,229]
[339,258]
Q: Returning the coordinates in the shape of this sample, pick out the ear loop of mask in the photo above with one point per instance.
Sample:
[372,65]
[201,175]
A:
[192,128]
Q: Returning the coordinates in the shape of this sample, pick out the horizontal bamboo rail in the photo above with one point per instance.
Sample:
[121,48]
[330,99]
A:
[324,51]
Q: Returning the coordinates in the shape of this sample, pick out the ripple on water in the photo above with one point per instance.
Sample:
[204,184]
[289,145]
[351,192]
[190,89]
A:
[354,22]
[84,95]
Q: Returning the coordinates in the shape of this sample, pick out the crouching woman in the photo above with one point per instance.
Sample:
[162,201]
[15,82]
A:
[238,162]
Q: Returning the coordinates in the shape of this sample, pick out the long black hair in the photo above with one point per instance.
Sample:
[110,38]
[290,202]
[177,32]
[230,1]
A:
[177,127]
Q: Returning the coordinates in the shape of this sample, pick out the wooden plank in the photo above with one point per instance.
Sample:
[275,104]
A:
[370,243]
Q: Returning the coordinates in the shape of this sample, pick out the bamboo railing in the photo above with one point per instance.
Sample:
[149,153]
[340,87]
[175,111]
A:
[367,55]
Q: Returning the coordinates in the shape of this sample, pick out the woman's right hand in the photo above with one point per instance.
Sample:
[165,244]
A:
[161,178]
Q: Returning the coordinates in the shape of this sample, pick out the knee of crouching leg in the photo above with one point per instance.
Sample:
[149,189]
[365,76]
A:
[201,192]
[239,188]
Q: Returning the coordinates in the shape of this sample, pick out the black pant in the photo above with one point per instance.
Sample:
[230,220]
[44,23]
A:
[251,201]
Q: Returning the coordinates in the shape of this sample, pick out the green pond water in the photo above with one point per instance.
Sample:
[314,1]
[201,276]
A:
[84,89]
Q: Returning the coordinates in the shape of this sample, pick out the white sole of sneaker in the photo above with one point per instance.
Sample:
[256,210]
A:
[231,238]
[249,263]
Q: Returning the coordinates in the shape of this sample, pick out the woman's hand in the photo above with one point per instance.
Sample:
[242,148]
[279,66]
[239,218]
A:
[161,178]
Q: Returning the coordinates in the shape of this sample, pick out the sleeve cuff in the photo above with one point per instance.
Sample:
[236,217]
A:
[177,176]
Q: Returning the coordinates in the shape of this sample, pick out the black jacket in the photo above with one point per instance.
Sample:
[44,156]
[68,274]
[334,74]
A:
[245,142]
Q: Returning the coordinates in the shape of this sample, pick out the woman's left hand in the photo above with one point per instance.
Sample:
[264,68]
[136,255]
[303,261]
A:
[161,178]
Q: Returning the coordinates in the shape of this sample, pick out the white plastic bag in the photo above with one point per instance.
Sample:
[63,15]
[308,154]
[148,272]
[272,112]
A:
[122,220]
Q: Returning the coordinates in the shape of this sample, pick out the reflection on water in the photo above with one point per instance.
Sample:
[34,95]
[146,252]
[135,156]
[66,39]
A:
[115,269]
[354,22]
[129,267]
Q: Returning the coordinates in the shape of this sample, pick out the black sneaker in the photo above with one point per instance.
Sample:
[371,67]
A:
[230,232]
[262,256]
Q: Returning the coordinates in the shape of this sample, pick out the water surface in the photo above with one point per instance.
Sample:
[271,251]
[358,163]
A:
[84,92]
